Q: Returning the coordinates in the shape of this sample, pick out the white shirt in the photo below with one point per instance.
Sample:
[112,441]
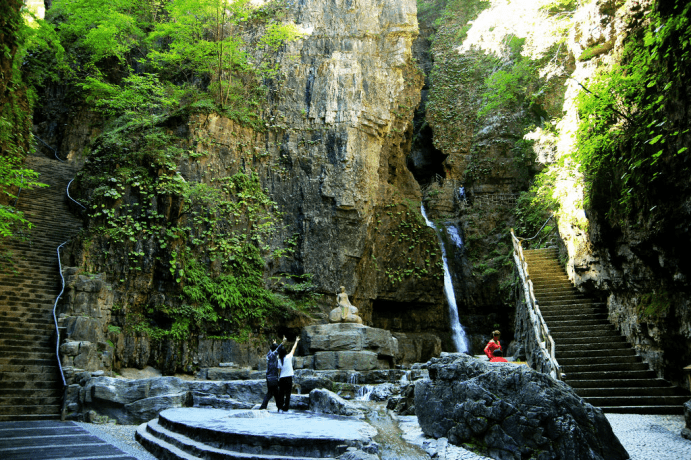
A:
[287,367]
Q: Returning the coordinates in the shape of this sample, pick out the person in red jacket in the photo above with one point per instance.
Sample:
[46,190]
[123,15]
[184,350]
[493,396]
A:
[497,356]
[493,344]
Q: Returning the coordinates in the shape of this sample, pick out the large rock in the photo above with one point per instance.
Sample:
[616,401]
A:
[324,401]
[349,346]
[686,430]
[133,401]
[511,412]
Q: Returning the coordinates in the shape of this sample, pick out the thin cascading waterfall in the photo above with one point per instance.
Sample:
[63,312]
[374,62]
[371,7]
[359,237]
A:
[364,392]
[458,333]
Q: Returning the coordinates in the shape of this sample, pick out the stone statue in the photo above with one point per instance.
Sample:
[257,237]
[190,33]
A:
[345,311]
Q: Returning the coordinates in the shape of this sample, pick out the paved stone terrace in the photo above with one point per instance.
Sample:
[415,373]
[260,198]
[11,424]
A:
[53,440]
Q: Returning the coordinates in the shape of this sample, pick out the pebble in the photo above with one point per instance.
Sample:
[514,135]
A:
[644,437]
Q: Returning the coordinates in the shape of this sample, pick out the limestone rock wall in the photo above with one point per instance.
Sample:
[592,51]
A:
[338,129]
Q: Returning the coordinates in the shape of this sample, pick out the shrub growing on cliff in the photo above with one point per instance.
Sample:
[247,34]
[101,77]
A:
[631,146]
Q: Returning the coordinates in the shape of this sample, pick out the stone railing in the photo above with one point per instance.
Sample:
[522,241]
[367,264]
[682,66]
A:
[540,346]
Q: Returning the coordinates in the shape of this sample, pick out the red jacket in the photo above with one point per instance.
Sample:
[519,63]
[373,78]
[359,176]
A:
[498,359]
[492,345]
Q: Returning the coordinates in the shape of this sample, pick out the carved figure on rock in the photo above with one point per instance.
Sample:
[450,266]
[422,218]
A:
[345,311]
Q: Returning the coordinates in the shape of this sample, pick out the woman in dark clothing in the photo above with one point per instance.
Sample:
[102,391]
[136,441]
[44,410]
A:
[286,375]
[273,375]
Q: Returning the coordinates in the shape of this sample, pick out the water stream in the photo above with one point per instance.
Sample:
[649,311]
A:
[458,333]
[389,435]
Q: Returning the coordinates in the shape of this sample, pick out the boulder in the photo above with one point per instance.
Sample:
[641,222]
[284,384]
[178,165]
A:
[686,430]
[346,360]
[228,374]
[307,383]
[324,401]
[404,404]
[347,337]
[510,412]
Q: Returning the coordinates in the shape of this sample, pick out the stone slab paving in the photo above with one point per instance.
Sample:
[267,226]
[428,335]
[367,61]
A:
[293,424]
[53,440]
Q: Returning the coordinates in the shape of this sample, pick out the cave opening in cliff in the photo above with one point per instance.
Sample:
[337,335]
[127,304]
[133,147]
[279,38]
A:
[425,161]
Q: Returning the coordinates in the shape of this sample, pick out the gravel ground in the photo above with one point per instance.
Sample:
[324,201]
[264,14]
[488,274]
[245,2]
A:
[651,436]
[643,436]
[123,437]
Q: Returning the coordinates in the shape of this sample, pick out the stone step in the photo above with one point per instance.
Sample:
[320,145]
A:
[596,308]
[30,417]
[572,337]
[578,323]
[637,400]
[608,376]
[12,410]
[18,377]
[166,444]
[26,307]
[5,385]
[591,346]
[559,290]
[586,361]
[595,367]
[631,391]
[36,296]
[615,383]
[594,341]
[248,434]
[560,296]
[6,400]
[5,361]
[572,353]
[572,327]
[29,368]
[28,352]
[645,410]
[42,341]
[550,317]
[44,323]
[564,303]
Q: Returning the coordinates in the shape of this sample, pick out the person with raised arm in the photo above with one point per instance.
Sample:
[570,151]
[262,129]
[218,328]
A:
[286,375]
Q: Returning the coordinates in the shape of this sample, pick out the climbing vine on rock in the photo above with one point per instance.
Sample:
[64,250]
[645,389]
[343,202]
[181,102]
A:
[631,144]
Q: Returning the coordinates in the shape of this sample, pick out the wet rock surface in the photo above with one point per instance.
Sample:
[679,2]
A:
[510,412]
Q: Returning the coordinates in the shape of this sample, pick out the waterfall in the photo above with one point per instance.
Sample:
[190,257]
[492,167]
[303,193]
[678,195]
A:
[458,333]
[364,392]
[353,378]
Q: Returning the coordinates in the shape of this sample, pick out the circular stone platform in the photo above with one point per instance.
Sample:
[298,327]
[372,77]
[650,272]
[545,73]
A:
[248,434]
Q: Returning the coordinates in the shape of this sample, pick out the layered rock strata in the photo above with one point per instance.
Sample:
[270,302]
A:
[347,346]
[338,128]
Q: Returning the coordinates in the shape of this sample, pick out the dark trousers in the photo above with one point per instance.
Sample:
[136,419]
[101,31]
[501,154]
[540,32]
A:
[272,391]
[285,387]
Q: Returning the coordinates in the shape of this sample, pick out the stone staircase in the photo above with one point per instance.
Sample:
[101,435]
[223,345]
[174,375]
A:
[30,384]
[597,361]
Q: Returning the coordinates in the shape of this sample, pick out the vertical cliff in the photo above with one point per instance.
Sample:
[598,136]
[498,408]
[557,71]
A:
[507,117]
[339,204]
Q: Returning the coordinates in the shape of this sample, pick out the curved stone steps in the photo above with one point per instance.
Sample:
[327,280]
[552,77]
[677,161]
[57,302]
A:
[167,444]
[195,433]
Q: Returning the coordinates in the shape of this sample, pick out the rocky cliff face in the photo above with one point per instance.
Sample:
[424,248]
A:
[332,157]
